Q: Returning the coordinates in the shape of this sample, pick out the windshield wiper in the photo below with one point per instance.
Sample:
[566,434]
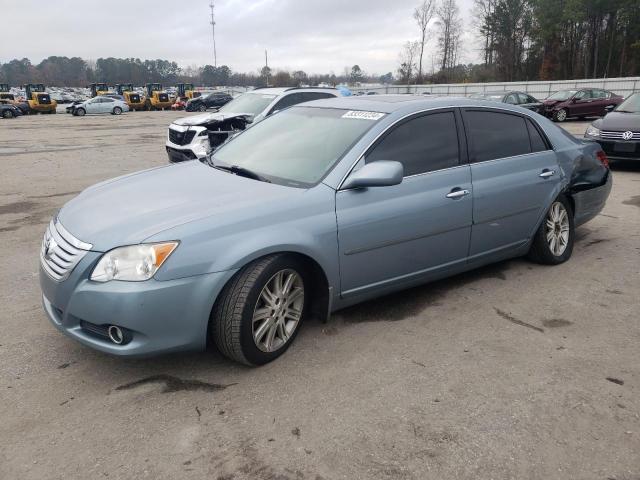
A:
[240,171]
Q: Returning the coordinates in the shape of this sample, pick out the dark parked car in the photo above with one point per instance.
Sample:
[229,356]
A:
[204,102]
[521,99]
[619,131]
[588,102]
[9,111]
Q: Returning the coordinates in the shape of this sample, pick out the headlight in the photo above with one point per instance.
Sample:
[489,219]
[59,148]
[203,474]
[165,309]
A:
[135,263]
[592,131]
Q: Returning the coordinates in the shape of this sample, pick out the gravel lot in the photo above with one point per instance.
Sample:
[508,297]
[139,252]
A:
[513,371]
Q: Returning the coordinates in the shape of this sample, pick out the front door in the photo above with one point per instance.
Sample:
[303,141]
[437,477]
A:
[515,176]
[397,234]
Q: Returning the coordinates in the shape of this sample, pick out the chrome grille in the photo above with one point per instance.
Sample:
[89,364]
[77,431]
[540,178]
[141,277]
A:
[61,251]
[618,135]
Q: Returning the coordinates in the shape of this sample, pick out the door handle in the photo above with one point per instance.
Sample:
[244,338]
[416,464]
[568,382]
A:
[547,173]
[457,193]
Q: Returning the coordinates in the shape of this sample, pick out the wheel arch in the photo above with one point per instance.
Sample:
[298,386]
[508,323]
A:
[322,292]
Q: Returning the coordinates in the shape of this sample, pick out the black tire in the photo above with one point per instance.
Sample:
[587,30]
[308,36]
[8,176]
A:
[7,114]
[231,326]
[202,108]
[541,251]
[80,112]
[117,110]
[560,117]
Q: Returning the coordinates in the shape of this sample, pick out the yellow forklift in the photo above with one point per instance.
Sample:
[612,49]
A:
[5,95]
[187,90]
[98,89]
[157,98]
[38,99]
[131,97]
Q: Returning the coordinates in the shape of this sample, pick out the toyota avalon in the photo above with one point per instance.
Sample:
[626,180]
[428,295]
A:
[316,208]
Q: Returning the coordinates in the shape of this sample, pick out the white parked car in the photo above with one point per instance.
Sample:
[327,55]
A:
[100,104]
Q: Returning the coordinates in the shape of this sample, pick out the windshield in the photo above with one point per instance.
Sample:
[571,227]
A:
[631,104]
[298,146]
[494,97]
[563,95]
[253,103]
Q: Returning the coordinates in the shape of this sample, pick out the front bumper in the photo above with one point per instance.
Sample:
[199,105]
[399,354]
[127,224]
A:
[619,149]
[157,316]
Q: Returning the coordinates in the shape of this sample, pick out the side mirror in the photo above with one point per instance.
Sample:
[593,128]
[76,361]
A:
[382,173]
[610,108]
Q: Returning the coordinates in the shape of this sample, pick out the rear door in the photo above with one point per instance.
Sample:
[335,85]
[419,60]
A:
[515,175]
[393,235]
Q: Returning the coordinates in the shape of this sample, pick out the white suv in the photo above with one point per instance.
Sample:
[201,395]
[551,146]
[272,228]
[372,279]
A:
[193,137]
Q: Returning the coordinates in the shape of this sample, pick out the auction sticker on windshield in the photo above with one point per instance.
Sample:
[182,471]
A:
[359,115]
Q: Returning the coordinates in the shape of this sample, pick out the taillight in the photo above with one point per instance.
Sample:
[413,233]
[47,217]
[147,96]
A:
[603,158]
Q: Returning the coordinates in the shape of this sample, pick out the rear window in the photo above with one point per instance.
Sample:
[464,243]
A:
[496,135]
[538,143]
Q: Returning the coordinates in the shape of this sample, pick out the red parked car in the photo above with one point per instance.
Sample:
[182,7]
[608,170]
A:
[587,102]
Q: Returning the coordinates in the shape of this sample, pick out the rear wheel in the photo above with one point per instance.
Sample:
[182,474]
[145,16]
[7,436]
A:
[553,242]
[80,112]
[560,115]
[117,110]
[258,314]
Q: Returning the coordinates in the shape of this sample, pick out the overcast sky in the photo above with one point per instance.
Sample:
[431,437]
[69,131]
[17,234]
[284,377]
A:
[315,36]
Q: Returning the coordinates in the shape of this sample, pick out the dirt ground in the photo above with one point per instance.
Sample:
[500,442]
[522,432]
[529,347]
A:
[515,371]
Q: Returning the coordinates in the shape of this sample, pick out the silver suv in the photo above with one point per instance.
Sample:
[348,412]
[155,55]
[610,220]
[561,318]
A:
[193,137]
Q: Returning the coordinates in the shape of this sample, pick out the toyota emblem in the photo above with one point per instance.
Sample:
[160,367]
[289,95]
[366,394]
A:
[627,135]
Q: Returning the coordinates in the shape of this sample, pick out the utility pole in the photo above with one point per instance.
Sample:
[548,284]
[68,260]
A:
[213,34]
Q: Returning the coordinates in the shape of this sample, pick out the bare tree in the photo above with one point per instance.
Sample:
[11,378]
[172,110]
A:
[483,12]
[450,26]
[423,15]
[408,55]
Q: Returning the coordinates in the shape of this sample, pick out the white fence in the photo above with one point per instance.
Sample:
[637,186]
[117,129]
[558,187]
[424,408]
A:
[621,86]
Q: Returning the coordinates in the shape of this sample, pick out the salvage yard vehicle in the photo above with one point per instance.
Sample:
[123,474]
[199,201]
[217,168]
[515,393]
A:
[132,98]
[587,102]
[211,100]
[194,137]
[98,89]
[9,111]
[101,104]
[157,98]
[618,133]
[322,206]
[187,90]
[521,99]
[38,100]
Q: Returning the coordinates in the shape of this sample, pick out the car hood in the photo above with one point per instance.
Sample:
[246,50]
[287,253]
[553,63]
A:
[621,122]
[127,210]
[206,118]
[550,103]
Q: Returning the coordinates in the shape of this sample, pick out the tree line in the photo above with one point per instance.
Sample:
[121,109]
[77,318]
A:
[524,40]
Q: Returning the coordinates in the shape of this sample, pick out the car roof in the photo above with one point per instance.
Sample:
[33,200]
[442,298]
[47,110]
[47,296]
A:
[283,90]
[393,103]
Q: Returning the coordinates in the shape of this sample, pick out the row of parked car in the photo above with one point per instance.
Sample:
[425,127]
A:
[194,137]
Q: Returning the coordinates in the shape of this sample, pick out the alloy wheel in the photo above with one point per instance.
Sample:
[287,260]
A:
[278,310]
[557,229]
[561,115]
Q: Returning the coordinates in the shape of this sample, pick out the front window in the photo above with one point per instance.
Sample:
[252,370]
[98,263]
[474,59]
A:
[630,105]
[251,103]
[563,95]
[297,147]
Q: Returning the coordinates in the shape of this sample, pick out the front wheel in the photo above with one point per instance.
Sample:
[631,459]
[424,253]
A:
[7,114]
[259,313]
[560,115]
[553,242]
[117,110]
[80,112]
[202,108]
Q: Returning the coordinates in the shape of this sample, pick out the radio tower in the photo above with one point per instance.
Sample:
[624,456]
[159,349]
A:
[213,35]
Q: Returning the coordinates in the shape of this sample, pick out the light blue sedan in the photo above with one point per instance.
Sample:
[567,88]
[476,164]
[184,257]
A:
[319,207]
